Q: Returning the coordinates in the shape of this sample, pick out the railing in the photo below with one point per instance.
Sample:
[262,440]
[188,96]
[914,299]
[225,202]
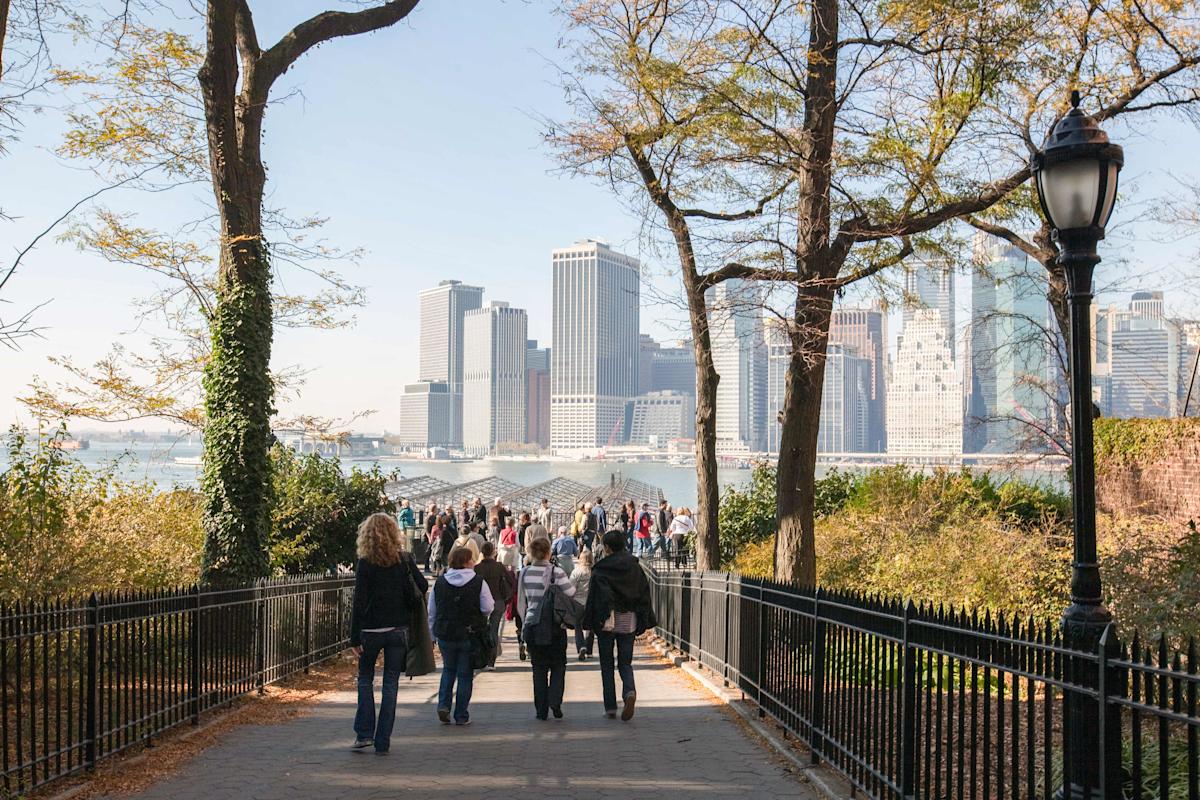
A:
[914,701]
[84,680]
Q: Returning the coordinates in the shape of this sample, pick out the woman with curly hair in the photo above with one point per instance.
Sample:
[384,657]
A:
[387,587]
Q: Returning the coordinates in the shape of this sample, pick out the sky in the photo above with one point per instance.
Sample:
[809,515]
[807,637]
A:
[423,145]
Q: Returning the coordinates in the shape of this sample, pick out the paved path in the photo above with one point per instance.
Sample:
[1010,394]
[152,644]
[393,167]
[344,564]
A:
[679,743]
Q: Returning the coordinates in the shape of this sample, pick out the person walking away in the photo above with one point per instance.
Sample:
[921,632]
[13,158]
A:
[459,606]
[431,521]
[587,537]
[619,608]
[601,515]
[386,586]
[522,526]
[468,542]
[682,526]
[475,533]
[564,549]
[532,534]
[642,526]
[500,583]
[581,578]
[510,551]
[433,560]
[549,660]
[662,529]
[464,515]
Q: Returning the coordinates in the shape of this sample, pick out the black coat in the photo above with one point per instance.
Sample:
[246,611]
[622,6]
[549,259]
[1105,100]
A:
[383,596]
[619,584]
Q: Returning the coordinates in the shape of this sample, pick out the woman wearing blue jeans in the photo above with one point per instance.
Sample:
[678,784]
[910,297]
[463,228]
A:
[459,604]
[386,586]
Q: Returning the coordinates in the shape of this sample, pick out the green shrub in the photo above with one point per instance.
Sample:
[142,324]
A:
[65,529]
[316,510]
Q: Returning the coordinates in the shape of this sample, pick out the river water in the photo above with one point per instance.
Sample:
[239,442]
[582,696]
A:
[159,463]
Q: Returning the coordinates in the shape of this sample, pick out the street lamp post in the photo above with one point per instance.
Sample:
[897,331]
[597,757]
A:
[1076,177]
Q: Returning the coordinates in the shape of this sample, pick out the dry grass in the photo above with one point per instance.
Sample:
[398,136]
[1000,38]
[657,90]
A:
[141,768]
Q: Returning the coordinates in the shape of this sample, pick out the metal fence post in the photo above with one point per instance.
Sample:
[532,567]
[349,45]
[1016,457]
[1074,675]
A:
[1110,682]
[90,749]
[260,625]
[818,680]
[725,649]
[308,652]
[194,688]
[762,646]
[908,715]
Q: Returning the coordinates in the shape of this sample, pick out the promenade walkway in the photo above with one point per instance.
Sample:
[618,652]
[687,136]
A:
[680,743]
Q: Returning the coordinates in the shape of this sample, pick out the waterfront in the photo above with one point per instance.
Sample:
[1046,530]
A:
[160,462]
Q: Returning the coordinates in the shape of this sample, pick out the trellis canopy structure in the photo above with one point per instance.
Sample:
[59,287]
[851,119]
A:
[488,489]
[561,492]
[411,487]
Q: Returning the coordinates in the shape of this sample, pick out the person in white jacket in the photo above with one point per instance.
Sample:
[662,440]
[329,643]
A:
[459,604]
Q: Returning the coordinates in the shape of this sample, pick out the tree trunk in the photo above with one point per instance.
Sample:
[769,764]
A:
[237,384]
[795,540]
[708,495]
[3,31]
[817,268]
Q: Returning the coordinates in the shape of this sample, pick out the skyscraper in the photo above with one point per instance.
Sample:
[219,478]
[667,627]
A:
[925,397]
[493,377]
[442,308]
[1147,357]
[740,358]
[537,394]
[647,350]
[845,402]
[673,369]
[931,285]
[779,360]
[426,415]
[864,330]
[594,361]
[1011,403]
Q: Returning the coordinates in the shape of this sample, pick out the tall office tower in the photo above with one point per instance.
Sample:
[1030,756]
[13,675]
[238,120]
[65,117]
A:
[594,361]
[924,400]
[740,357]
[779,360]
[426,415]
[537,394]
[647,350]
[658,417]
[845,402]
[1147,371]
[673,369]
[1012,338]
[931,285]
[1147,305]
[442,310]
[494,378]
[865,331]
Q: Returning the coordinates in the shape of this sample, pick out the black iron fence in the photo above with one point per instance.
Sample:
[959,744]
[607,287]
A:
[914,701]
[83,680]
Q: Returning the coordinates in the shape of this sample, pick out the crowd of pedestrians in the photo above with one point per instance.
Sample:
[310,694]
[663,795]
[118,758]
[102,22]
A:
[491,565]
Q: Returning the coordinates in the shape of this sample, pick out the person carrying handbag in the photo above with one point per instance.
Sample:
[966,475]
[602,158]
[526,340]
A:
[547,646]
[459,606]
[387,590]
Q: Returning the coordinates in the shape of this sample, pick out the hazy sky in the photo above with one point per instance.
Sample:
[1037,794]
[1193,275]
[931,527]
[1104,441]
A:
[422,144]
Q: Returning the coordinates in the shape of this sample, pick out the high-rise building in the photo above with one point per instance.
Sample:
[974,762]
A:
[1147,355]
[594,361]
[442,308]
[779,360]
[494,377]
[845,402]
[537,394]
[426,415]
[864,330]
[740,358]
[925,397]
[658,417]
[673,369]
[1012,390]
[647,349]
[931,285]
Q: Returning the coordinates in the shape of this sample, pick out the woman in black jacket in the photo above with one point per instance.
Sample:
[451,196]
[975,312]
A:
[387,587]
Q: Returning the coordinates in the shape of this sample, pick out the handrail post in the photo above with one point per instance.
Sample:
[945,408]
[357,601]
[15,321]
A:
[725,649]
[308,653]
[818,680]
[194,688]
[908,715]
[91,748]
[260,626]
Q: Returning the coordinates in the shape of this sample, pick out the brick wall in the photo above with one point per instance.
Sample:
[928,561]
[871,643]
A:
[1165,482]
